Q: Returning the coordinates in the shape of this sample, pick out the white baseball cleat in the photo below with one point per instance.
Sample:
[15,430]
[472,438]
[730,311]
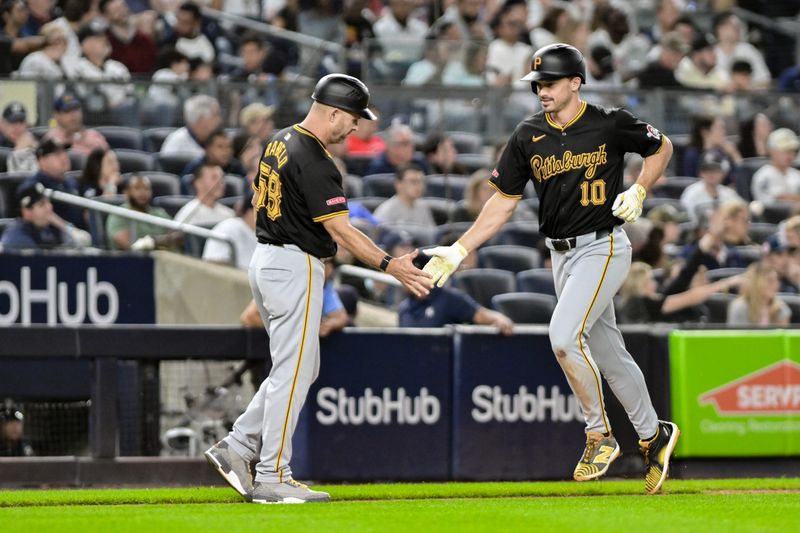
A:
[232,468]
[289,491]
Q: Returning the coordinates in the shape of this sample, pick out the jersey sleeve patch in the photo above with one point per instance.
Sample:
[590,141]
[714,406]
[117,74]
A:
[335,201]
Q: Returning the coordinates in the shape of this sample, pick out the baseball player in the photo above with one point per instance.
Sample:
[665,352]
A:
[573,152]
[301,217]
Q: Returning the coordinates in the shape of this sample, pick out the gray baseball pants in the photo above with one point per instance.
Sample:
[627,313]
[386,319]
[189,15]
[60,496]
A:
[584,333]
[287,288]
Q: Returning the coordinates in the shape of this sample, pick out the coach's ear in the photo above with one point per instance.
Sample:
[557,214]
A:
[332,116]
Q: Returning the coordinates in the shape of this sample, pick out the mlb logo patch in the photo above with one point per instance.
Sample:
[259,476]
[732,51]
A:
[653,133]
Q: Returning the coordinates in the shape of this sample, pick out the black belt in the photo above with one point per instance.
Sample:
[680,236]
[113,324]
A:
[564,245]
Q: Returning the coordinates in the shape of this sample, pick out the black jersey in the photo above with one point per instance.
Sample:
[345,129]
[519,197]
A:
[298,187]
[576,169]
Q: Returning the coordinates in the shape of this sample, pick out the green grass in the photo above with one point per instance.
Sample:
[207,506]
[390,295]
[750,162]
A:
[686,505]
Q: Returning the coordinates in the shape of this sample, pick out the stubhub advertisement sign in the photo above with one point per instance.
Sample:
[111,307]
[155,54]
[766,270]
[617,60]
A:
[380,409]
[73,290]
[514,414]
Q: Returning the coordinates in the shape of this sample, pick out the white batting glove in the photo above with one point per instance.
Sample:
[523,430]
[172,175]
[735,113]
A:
[628,205]
[445,261]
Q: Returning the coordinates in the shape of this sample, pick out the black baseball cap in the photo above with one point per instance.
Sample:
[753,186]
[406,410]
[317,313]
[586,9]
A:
[48,147]
[713,160]
[29,194]
[66,102]
[15,112]
[702,41]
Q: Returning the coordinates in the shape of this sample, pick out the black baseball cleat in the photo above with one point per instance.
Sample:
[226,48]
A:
[657,452]
[233,468]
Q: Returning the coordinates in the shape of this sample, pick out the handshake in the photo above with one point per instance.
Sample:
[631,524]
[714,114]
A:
[445,261]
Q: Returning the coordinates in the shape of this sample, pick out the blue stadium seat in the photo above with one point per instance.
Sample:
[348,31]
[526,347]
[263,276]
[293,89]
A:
[539,280]
[484,283]
[525,307]
[509,257]
[124,137]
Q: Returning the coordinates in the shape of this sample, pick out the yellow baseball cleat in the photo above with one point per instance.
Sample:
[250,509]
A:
[599,453]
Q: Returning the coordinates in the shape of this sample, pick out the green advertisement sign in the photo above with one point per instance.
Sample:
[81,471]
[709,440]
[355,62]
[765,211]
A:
[736,393]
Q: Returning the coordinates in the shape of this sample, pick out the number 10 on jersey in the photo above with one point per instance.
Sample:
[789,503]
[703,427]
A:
[593,192]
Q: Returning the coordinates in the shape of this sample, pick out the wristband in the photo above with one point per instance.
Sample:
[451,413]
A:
[385,262]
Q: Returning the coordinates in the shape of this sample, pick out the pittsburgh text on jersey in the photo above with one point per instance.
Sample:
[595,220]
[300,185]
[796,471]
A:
[545,168]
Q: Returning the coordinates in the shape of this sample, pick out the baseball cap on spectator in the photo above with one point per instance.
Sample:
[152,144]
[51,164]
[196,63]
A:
[91,30]
[674,42]
[11,413]
[29,194]
[15,112]
[713,160]
[783,139]
[701,42]
[741,66]
[666,213]
[253,112]
[774,245]
[48,147]
[66,102]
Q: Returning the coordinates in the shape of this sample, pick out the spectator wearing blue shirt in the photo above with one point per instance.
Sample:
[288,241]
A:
[53,166]
[449,306]
[219,151]
[399,152]
[36,226]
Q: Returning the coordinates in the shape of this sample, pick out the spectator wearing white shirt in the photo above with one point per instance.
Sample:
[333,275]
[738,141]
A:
[163,101]
[46,63]
[241,229]
[778,180]
[190,40]
[508,58]
[201,114]
[401,35]
[702,197]
[204,209]
[699,70]
[76,14]
[728,30]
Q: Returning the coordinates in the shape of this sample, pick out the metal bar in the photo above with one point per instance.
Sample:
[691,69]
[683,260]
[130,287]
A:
[788,28]
[366,273]
[268,29]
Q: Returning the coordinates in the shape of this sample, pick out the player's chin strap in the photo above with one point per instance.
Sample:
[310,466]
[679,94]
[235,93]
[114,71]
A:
[628,204]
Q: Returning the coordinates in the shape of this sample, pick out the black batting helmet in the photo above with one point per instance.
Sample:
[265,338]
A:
[554,62]
[344,92]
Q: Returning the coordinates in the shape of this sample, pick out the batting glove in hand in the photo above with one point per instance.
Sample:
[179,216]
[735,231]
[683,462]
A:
[445,261]
[628,205]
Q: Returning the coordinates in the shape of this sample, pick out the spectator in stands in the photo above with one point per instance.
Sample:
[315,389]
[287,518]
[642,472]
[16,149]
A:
[753,134]
[508,58]
[601,71]
[440,153]
[399,152]
[669,218]
[76,15]
[660,73]
[667,14]
[400,34]
[618,34]
[101,175]
[201,114]
[241,229]
[364,141]
[139,194]
[699,70]
[467,69]
[467,16]
[741,74]
[758,304]
[709,134]
[555,17]
[256,120]
[36,226]
[163,101]
[248,152]
[641,303]
[406,207]
[686,28]
[12,440]
[204,209]
[448,305]
[130,46]
[789,79]
[575,31]
[731,47]
[219,152]
[115,98]
[783,258]
[778,181]
[261,61]
[188,37]
[46,63]
[428,70]
[478,193]
[40,14]
[69,130]
[14,133]
[705,195]
[53,166]
[13,46]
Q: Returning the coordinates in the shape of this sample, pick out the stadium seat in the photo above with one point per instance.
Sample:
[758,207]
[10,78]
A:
[673,187]
[174,162]
[4,151]
[155,137]
[717,305]
[378,185]
[77,160]
[484,283]
[651,203]
[525,307]
[352,185]
[777,212]
[124,137]
[456,229]
[509,257]
[451,187]
[750,253]
[357,164]
[441,208]
[163,183]
[370,202]
[39,131]
[172,204]
[539,280]
[519,234]
[4,223]
[793,301]
[134,160]
[97,219]
[473,162]
[742,175]
[716,274]
[466,142]
[422,235]
[230,201]
[9,181]
[761,231]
